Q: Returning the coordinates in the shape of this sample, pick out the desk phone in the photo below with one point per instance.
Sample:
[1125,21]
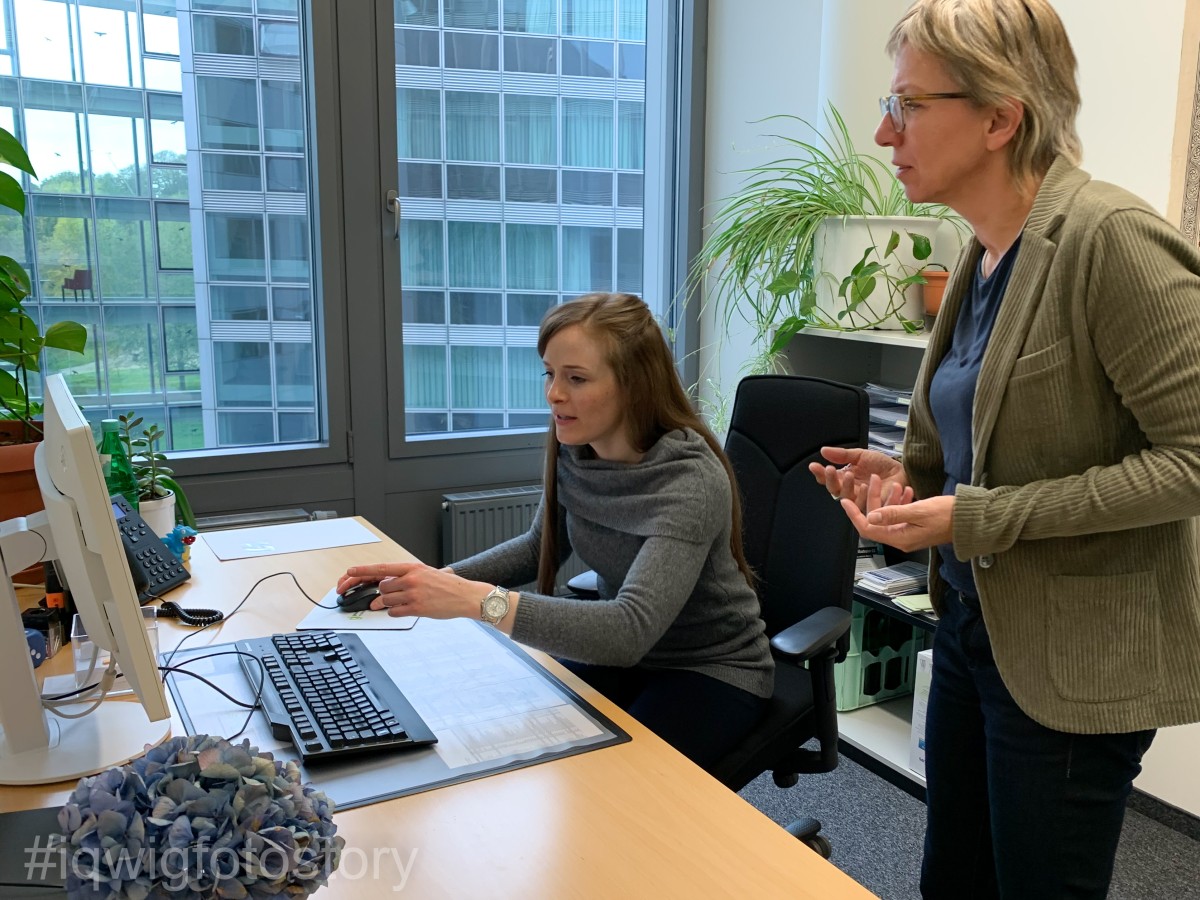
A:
[154,568]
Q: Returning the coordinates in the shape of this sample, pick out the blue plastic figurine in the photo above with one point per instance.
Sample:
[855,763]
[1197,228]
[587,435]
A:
[179,541]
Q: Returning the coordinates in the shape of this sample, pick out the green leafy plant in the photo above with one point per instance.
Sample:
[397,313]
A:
[21,342]
[761,253]
[155,479]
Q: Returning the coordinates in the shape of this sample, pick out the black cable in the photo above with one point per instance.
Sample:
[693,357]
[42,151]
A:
[197,618]
[258,690]
[228,696]
[239,605]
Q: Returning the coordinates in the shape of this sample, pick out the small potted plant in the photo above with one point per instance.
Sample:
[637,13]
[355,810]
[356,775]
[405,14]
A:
[934,286]
[21,344]
[161,501]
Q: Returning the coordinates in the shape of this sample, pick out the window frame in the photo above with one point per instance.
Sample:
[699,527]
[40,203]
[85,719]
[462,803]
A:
[675,40]
[328,276]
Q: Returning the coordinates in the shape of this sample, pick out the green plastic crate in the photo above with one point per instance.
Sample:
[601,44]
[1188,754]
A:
[882,661]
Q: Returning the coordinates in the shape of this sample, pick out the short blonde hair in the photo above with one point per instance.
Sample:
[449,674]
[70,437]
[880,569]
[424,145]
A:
[998,49]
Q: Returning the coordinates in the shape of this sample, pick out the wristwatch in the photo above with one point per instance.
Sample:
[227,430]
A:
[494,606]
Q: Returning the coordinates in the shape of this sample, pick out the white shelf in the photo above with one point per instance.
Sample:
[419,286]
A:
[882,731]
[891,338]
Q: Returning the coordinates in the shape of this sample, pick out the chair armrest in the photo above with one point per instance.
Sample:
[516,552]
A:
[584,586]
[812,635]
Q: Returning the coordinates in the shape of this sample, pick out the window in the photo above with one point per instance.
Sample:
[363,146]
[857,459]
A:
[172,209]
[522,206]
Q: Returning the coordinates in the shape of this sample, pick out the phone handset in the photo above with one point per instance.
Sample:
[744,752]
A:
[153,567]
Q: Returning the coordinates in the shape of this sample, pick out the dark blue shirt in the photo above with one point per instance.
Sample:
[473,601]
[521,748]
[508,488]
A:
[952,394]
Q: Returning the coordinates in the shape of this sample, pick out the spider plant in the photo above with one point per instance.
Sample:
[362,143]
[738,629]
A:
[760,253]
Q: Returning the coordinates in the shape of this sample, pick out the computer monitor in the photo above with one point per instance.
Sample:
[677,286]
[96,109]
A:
[79,529]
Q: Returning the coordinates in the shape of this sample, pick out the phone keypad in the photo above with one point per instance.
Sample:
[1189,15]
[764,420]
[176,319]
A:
[160,570]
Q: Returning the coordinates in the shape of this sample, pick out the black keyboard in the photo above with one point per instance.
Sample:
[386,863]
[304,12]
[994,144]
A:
[326,694]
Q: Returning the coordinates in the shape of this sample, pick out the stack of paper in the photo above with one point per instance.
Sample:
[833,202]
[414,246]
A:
[891,581]
[888,415]
[870,556]
[915,603]
[880,394]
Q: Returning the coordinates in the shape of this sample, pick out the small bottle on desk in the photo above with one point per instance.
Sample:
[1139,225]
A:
[118,470]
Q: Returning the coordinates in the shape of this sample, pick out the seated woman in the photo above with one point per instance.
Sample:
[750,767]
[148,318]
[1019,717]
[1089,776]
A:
[640,489]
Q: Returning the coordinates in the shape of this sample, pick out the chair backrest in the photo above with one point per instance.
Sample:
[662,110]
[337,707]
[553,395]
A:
[797,539]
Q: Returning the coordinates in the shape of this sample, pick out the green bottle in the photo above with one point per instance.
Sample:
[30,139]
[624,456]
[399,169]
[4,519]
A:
[118,470]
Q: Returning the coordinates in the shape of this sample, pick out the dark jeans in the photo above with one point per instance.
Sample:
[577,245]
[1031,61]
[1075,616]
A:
[1016,809]
[699,716]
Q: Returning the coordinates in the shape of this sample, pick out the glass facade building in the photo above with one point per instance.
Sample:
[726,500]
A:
[173,209]
[520,137]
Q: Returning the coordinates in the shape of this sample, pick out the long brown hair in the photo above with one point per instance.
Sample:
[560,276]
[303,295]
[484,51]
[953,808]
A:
[655,402]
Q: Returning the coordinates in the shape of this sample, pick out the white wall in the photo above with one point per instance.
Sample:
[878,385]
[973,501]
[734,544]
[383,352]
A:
[764,59]
[1128,76]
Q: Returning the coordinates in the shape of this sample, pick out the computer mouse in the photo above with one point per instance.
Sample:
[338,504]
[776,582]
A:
[358,597]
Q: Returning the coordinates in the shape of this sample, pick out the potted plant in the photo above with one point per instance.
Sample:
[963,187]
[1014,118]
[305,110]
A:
[21,344]
[161,501]
[825,237]
[934,287]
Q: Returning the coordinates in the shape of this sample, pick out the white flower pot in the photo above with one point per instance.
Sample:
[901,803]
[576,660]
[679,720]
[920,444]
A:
[839,246]
[159,514]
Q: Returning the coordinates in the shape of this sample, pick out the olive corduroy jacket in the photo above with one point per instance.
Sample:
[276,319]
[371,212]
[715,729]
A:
[1080,518]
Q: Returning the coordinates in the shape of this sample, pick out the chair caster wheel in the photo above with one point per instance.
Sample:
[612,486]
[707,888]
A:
[818,843]
[785,779]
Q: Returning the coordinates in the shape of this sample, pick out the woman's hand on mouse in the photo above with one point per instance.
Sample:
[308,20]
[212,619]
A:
[415,589]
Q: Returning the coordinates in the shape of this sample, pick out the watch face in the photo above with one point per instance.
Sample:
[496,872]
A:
[495,607]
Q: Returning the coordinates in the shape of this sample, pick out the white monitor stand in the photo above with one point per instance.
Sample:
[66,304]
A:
[35,746]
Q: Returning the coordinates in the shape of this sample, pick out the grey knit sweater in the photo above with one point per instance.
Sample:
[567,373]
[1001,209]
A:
[657,534]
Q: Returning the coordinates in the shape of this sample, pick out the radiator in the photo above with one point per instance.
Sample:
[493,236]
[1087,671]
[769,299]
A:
[476,520]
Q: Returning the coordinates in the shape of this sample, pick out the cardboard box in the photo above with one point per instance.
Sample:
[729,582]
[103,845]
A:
[916,745]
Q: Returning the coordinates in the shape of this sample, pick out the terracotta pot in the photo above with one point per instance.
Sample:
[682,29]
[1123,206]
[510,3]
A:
[934,287]
[19,493]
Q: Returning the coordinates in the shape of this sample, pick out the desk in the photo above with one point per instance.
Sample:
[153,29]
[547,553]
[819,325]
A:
[634,820]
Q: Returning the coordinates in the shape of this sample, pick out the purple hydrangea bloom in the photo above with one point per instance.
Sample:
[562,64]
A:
[198,817]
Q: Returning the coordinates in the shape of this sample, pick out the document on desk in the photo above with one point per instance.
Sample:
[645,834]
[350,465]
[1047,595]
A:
[295,537]
[490,705]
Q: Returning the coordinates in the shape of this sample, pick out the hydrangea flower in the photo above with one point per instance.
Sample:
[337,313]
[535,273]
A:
[198,817]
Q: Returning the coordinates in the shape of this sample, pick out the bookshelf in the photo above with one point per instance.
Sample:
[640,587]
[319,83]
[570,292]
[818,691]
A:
[878,733]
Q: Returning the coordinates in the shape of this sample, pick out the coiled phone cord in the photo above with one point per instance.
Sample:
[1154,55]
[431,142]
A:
[197,618]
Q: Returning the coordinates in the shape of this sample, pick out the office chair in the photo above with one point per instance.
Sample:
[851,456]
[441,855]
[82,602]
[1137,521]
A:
[802,548]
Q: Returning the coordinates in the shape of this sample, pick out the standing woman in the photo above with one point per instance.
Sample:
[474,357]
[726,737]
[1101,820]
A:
[641,490]
[1051,463]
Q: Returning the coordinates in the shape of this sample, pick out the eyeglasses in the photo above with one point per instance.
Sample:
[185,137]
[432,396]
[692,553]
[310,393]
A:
[893,104]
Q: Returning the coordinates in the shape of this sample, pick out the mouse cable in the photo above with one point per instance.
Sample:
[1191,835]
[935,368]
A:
[239,605]
[258,688]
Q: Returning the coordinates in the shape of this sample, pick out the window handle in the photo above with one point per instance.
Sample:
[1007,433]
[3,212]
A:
[393,206]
